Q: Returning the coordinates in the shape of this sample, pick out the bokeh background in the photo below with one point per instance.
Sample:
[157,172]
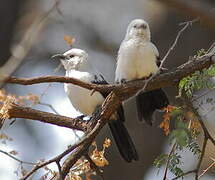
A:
[32,31]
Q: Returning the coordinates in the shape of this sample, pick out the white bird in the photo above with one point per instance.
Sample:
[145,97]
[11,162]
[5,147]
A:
[138,58]
[76,64]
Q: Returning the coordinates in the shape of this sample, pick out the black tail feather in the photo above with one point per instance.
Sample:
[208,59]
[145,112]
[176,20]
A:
[123,141]
[148,102]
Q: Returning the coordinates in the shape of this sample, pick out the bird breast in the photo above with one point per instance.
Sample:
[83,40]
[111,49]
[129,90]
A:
[136,60]
[81,98]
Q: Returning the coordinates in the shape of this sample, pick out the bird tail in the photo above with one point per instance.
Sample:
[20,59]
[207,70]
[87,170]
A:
[123,140]
[148,102]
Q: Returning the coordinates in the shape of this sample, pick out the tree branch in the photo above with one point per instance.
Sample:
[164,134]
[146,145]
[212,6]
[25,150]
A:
[169,78]
[168,160]
[207,135]
[16,159]
[201,157]
[101,117]
[17,111]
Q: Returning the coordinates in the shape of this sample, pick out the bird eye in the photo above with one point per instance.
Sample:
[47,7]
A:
[135,26]
[71,56]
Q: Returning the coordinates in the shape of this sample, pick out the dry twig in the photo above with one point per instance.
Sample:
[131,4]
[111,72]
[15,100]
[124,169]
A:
[168,161]
[16,159]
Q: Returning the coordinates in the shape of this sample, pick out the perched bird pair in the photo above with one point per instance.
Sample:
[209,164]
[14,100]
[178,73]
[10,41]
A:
[137,58]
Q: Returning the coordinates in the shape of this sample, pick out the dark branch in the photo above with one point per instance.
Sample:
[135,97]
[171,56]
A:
[17,111]
[170,78]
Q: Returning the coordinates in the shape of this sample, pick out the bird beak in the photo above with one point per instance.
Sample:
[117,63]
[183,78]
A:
[58,57]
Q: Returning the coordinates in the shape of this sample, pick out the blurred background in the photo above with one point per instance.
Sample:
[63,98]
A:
[32,31]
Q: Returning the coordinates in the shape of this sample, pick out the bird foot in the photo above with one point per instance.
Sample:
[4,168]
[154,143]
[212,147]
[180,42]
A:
[163,69]
[81,117]
[123,81]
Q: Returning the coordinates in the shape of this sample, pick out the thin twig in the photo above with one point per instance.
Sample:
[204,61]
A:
[16,159]
[168,52]
[207,135]
[55,159]
[201,157]
[168,161]
[184,174]
[207,169]
[87,139]
[206,132]
[50,106]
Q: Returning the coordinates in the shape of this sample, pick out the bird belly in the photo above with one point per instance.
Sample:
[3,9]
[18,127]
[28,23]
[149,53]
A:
[126,68]
[82,100]
[145,64]
[135,61]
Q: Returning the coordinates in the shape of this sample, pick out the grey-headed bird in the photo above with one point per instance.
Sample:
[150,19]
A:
[76,64]
[139,58]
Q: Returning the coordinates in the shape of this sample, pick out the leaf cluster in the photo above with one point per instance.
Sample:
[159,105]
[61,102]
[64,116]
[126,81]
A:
[198,80]
[174,163]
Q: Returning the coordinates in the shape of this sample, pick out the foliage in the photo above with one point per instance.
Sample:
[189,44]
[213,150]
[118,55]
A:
[183,135]
[160,160]
[194,147]
[198,80]
[174,163]
[83,166]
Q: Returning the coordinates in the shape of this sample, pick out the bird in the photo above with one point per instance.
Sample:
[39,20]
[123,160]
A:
[77,65]
[138,58]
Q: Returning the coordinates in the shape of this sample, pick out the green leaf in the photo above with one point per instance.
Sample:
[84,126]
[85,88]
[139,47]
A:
[181,136]
[197,81]
[175,160]
[160,160]
[194,148]
[176,112]
[179,124]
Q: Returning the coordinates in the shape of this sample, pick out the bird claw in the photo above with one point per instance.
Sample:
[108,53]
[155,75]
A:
[123,81]
[81,117]
[163,69]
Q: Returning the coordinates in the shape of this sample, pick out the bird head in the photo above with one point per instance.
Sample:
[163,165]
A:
[138,28]
[73,59]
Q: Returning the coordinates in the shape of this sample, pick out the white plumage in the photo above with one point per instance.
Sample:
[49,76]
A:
[137,56]
[77,66]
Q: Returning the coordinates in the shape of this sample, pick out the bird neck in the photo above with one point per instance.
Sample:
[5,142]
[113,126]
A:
[81,68]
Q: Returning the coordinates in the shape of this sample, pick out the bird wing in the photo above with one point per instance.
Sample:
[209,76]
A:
[99,79]
[156,52]
[120,134]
